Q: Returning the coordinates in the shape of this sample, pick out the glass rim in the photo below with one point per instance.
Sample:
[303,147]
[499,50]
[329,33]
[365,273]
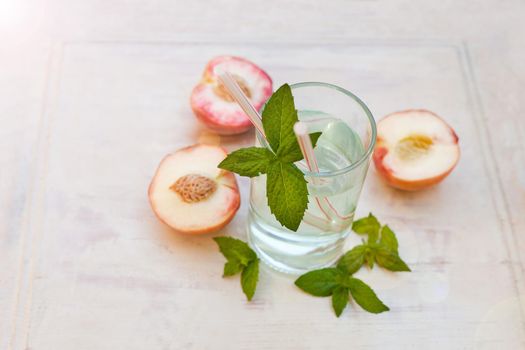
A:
[369,115]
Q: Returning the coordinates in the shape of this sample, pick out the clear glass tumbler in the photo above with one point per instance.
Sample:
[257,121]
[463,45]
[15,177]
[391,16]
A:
[343,155]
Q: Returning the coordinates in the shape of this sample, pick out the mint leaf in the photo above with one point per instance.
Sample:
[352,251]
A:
[368,225]
[339,300]
[249,278]
[370,258]
[352,261]
[388,239]
[390,260]
[293,153]
[287,194]
[314,137]
[278,118]
[320,283]
[366,297]
[251,161]
[235,251]
[240,258]
[232,268]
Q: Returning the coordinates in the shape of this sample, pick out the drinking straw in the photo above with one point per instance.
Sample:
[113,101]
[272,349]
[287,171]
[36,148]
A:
[238,95]
[305,144]
[303,138]
[236,92]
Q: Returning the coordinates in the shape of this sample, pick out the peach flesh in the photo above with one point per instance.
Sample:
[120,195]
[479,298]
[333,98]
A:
[190,194]
[215,108]
[415,149]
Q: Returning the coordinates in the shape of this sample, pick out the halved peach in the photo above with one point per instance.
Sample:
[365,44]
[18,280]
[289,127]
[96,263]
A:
[213,105]
[190,194]
[415,149]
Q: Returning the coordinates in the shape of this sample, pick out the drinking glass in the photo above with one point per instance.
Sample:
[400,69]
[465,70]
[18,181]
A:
[343,153]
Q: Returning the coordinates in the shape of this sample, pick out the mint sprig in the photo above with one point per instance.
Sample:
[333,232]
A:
[240,258]
[381,248]
[286,187]
[339,284]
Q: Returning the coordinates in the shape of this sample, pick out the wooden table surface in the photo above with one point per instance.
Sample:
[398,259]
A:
[94,93]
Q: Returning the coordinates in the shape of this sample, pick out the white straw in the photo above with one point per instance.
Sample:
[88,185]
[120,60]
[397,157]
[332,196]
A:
[305,144]
[236,92]
[303,138]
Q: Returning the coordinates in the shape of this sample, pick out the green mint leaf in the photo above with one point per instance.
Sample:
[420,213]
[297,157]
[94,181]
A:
[249,278]
[287,194]
[366,297]
[293,153]
[390,260]
[232,268]
[352,261]
[368,225]
[235,251]
[388,239]
[320,283]
[370,258]
[240,257]
[289,152]
[278,118]
[251,161]
[339,300]
[314,137]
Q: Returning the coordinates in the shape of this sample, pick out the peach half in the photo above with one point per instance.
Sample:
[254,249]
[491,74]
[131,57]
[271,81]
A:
[190,194]
[213,105]
[415,149]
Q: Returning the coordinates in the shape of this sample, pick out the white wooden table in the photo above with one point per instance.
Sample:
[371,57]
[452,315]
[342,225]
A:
[94,93]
